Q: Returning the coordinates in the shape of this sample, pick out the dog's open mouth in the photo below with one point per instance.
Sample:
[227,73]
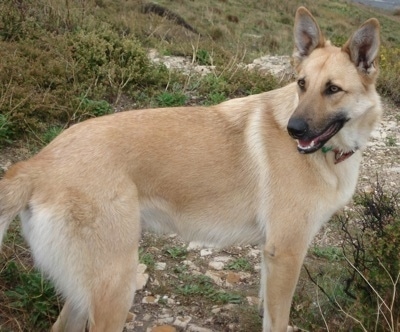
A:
[311,145]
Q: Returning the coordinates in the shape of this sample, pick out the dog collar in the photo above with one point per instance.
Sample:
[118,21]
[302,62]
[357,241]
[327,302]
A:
[339,155]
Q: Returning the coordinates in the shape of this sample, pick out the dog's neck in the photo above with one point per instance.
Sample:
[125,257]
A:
[339,155]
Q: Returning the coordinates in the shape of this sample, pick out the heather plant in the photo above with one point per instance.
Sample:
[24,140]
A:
[359,280]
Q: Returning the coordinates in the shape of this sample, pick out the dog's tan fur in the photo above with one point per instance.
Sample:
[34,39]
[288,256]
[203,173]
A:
[226,174]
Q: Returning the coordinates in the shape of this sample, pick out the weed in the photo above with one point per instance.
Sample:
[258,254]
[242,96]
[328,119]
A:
[391,141]
[177,252]
[30,293]
[179,269]
[329,253]
[239,264]
[169,99]
[215,98]
[201,285]
[226,297]
[146,258]
[6,130]
[203,57]
[95,107]
[51,133]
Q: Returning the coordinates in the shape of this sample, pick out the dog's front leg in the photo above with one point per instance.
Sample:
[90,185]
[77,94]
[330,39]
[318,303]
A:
[282,260]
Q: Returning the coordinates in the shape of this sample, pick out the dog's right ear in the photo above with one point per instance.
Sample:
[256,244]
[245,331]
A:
[307,34]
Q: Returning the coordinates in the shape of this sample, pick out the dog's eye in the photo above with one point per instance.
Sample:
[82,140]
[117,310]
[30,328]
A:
[301,83]
[332,89]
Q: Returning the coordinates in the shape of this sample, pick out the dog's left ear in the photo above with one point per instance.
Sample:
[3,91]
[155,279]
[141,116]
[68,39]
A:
[363,46]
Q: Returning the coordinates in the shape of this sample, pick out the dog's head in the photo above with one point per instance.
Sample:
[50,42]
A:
[336,87]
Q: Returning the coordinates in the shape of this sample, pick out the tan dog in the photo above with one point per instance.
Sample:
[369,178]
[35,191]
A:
[227,174]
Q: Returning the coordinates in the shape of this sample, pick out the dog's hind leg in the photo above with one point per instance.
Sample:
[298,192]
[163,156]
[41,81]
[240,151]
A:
[111,291]
[70,319]
[88,246]
[112,296]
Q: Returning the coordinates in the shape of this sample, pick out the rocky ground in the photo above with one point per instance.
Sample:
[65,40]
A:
[185,287]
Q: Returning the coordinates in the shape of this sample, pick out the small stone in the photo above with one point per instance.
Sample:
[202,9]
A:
[155,282]
[129,327]
[216,265]
[165,320]
[194,245]
[190,265]
[182,321]
[232,278]
[163,328]
[214,277]
[223,259]
[141,268]
[141,280]
[147,317]
[368,189]
[216,310]
[206,252]
[160,266]
[254,253]
[253,300]
[149,300]
[130,317]
[195,328]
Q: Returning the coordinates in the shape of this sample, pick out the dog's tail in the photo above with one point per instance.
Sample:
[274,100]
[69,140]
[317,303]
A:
[15,191]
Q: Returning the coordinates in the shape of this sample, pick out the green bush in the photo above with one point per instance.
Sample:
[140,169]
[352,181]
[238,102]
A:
[43,81]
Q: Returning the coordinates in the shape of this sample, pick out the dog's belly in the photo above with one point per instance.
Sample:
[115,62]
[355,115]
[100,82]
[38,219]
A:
[206,227]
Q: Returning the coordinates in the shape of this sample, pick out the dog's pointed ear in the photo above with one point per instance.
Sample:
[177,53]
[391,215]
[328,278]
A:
[363,46]
[307,34]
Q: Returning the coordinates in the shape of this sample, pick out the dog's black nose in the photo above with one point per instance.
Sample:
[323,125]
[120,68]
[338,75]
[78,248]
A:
[297,127]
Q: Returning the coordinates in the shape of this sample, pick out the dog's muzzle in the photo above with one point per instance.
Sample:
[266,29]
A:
[308,140]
